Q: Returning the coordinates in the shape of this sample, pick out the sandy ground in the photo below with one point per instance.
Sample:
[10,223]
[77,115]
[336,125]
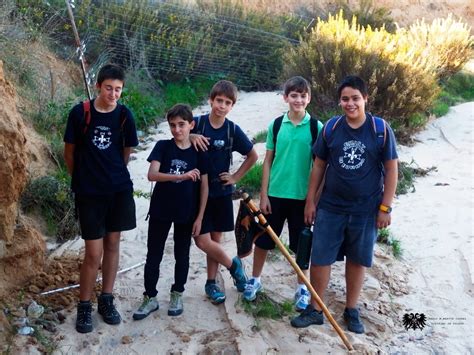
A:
[434,277]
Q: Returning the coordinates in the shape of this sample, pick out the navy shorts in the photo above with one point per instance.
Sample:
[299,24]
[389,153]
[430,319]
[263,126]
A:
[219,215]
[283,209]
[99,215]
[343,235]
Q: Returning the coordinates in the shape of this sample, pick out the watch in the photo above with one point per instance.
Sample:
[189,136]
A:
[386,209]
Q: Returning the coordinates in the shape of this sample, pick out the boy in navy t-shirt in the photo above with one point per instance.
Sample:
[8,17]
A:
[96,155]
[220,137]
[360,165]
[179,197]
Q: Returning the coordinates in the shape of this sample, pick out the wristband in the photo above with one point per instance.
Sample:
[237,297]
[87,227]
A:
[386,209]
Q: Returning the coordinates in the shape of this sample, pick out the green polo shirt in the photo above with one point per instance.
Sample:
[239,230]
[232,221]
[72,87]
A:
[293,160]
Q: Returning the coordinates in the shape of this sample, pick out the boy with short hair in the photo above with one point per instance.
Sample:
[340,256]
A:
[179,197]
[357,152]
[220,137]
[96,153]
[286,170]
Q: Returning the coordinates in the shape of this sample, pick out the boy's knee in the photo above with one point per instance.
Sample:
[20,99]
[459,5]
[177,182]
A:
[202,242]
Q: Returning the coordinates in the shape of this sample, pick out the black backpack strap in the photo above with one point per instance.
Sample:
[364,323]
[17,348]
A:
[86,105]
[201,123]
[314,126]
[123,119]
[230,139]
[276,128]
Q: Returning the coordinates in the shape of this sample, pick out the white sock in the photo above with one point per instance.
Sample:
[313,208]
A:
[257,279]
[300,287]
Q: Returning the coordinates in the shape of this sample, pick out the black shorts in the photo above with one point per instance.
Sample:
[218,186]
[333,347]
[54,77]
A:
[99,215]
[283,209]
[219,215]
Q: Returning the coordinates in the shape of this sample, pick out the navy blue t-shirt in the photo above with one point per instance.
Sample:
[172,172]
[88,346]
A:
[354,176]
[219,157]
[176,201]
[99,168]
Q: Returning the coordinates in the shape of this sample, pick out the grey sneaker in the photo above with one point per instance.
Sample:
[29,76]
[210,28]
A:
[214,292]
[307,317]
[176,303]
[239,276]
[149,304]
[251,289]
[354,324]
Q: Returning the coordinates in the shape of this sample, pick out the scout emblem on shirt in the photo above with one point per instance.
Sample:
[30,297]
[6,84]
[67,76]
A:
[102,137]
[178,167]
[353,155]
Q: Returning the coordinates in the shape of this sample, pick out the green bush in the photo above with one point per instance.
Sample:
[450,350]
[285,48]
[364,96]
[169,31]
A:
[401,74]
[51,197]
[252,181]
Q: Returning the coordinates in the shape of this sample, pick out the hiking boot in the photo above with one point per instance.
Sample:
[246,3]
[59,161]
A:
[302,297]
[251,289]
[354,324]
[84,317]
[239,276]
[176,303]
[149,304]
[107,309]
[214,292]
[307,317]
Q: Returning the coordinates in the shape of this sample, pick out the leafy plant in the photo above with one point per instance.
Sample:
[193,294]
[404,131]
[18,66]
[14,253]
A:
[252,181]
[260,137]
[265,307]
[385,237]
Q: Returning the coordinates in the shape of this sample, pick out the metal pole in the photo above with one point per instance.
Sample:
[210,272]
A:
[79,48]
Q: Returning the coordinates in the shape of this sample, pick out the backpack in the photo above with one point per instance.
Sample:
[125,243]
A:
[201,123]
[379,124]
[86,105]
[313,125]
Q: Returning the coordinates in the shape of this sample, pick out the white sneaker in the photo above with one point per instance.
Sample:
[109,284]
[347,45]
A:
[302,298]
[251,289]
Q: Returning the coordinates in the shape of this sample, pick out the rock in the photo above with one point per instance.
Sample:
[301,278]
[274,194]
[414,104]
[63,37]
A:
[127,339]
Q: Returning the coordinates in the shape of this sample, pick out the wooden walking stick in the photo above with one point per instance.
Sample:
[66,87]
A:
[251,205]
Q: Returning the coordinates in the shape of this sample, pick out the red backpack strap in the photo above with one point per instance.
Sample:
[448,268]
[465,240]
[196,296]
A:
[87,115]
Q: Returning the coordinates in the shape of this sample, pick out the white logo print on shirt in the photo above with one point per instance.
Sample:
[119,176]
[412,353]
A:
[102,137]
[353,155]
[178,167]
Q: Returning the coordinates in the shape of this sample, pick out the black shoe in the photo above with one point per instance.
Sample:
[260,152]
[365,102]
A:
[354,324]
[107,309]
[84,317]
[307,317]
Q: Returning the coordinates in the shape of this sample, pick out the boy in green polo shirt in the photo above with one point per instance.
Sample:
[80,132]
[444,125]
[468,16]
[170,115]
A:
[286,169]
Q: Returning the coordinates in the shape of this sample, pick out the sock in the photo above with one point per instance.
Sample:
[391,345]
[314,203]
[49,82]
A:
[257,279]
[84,302]
[300,287]
[210,282]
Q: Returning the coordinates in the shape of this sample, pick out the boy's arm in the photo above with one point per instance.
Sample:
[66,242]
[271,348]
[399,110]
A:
[69,157]
[389,187]
[199,141]
[267,163]
[204,193]
[249,161]
[154,174]
[315,182]
[126,154]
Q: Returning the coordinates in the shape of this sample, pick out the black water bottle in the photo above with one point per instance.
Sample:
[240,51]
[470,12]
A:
[303,253]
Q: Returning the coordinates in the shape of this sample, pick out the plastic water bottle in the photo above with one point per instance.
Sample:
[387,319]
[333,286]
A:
[303,254]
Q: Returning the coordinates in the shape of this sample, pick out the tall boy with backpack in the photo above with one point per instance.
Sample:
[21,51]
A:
[98,140]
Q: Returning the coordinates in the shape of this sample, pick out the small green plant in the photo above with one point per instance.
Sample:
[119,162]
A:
[406,176]
[265,307]
[260,137]
[252,181]
[384,236]
[140,193]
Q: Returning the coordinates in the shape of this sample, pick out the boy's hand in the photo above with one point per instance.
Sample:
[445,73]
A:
[309,212]
[227,178]
[199,141]
[194,175]
[383,220]
[196,227]
[265,205]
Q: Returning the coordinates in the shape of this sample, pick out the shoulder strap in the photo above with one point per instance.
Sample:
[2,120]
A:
[330,126]
[87,115]
[380,128]
[230,138]
[123,118]
[276,129]
[201,124]
[314,126]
